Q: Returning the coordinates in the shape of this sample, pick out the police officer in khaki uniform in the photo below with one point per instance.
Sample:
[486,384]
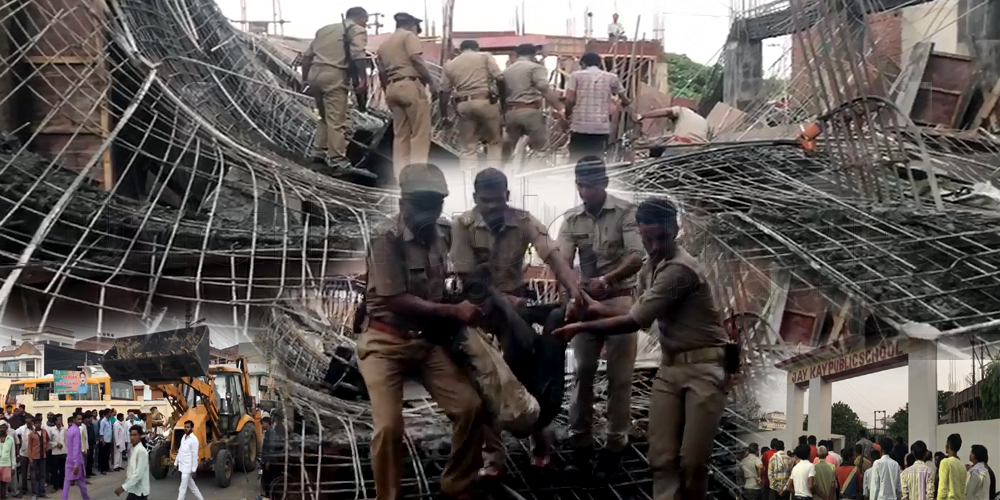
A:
[324,67]
[470,76]
[406,281]
[526,83]
[498,235]
[604,233]
[403,77]
[689,393]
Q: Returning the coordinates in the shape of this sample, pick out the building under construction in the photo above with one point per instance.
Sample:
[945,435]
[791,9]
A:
[153,166]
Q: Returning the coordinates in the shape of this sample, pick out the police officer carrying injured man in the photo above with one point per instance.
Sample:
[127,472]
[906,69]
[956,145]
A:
[406,283]
[689,393]
[405,79]
[498,235]
[526,84]
[476,82]
[603,231]
[337,49]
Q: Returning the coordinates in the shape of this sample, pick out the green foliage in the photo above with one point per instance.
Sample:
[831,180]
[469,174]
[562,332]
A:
[989,390]
[805,423]
[943,402]
[844,421]
[687,78]
[900,423]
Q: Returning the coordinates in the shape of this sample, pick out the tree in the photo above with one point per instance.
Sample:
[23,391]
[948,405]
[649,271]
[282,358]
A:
[900,423]
[989,390]
[844,421]
[943,402]
[750,410]
[687,78]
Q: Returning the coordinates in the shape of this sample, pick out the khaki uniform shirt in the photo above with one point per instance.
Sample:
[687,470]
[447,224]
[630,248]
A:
[604,240]
[328,47]
[470,74]
[395,52]
[398,263]
[525,81]
[691,322]
[473,243]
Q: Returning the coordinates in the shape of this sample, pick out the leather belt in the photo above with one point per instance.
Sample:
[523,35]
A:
[404,78]
[524,105]
[701,355]
[387,328]
[472,97]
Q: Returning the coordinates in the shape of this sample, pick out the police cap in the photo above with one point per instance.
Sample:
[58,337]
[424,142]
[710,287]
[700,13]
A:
[405,18]
[424,177]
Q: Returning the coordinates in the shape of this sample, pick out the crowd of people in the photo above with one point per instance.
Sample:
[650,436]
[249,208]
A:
[40,455]
[883,470]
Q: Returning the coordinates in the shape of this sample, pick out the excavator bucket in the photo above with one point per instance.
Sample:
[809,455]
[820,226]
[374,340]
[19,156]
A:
[159,357]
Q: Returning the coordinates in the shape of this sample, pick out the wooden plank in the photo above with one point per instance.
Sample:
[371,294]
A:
[76,95]
[988,107]
[915,71]
[71,27]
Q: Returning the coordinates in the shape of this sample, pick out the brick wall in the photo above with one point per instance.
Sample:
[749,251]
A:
[887,31]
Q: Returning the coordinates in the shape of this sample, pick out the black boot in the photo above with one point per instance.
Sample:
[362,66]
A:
[608,465]
[580,462]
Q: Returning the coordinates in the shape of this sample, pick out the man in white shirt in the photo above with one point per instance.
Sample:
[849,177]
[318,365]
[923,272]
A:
[120,438]
[801,481]
[137,476]
[21,440]
[57,464]
[752,467]
[187,462]
[885,476]
[615,30]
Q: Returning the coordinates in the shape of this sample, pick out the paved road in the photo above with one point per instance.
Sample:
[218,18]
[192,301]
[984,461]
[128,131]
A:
[243,487]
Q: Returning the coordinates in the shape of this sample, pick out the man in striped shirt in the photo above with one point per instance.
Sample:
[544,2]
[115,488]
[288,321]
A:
[778,471]
[919,479]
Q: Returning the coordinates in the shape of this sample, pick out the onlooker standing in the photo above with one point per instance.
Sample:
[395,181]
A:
[875,455]
[813,449]
[849,477]
[802,482]
[866,445]
[589,95]
[7,455]
[21,437]
[765,460]
[885,475]
[57,461]
[952,473]
[833,457]
[978,483]
[825,484]
[137,475]
[752,469]
[38,442]
[898,452]
[919,480]
[779,468]
[120,438]
[104,456]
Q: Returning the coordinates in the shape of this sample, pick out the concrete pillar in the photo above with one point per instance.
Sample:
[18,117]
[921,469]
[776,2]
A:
[820,408]
[794,415]
[743,70]
[922,372]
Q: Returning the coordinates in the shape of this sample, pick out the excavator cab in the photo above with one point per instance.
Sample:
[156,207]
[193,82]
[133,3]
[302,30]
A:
[215,398]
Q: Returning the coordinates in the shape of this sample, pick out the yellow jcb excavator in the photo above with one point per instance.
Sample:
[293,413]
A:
[215,398]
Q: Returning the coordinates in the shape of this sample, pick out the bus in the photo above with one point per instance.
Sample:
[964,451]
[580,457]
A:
[38,395]
[42,388]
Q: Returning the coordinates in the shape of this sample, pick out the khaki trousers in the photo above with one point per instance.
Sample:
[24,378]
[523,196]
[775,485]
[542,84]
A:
[411,123]
[479,121]
[621,353]
[684,413]
[386,360]
[331,89]
[527,122]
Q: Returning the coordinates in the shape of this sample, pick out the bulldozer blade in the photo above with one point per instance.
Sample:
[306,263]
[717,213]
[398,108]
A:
[159,357]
